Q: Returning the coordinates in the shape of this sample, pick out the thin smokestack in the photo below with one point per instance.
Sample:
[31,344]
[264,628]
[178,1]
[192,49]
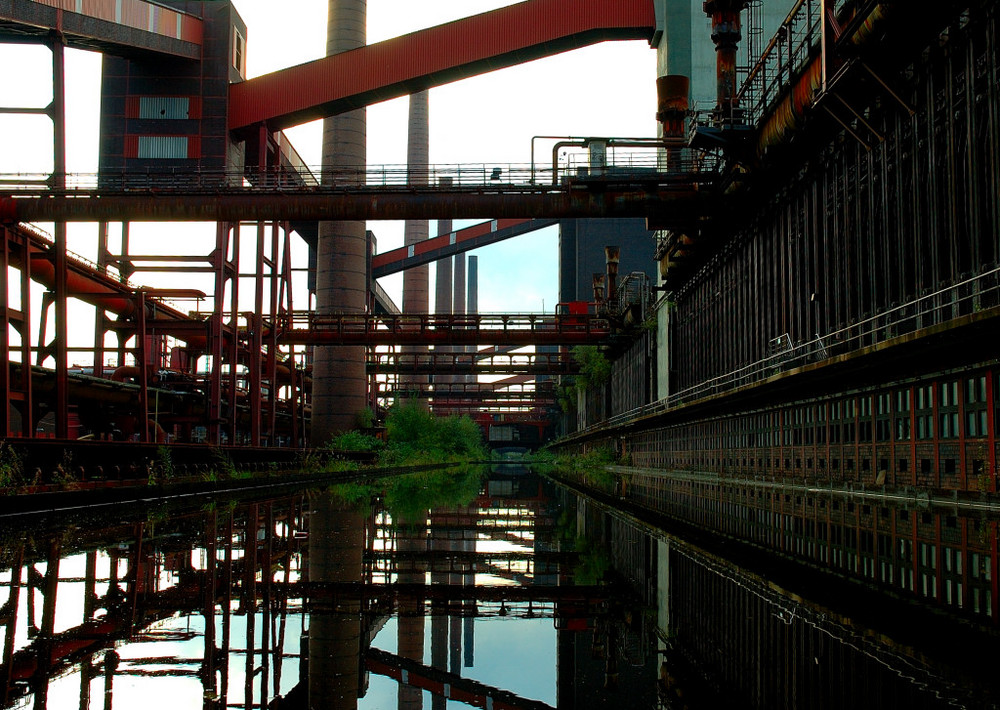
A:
[473,301]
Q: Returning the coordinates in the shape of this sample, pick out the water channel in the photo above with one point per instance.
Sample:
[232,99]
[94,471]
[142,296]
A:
[484,588]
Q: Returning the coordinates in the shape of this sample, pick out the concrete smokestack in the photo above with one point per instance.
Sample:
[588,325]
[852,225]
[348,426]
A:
[443,276]
[340,387]
[415,280]
[458,301]
[473,301]
[443,286]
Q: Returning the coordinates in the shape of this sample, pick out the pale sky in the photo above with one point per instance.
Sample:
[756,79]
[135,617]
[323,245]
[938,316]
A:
[604,90]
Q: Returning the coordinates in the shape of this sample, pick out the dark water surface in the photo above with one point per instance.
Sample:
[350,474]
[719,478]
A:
[445,590]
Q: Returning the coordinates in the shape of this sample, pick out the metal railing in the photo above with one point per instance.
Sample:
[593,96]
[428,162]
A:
[791,48]
[109,272]
[361,323]
[966,297]
[620,166]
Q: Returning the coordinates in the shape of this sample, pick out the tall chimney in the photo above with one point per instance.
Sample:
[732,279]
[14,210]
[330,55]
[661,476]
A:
[340,384]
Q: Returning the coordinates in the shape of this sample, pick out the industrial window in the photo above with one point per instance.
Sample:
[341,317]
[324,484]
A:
[164,107]
[167,147]
[239,52]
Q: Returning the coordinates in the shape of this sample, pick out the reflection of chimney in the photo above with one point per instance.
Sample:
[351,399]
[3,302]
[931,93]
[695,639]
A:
[470,641]
[336,547]
[411,540]
[612,255]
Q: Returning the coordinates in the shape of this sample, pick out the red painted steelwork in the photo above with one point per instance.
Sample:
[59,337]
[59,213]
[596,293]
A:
[446,685]
[473,237]
[137,14]
[448,329]
[93,287]
[432,57]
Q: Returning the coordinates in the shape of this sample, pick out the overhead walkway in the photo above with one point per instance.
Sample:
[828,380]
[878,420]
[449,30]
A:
[435,56]
[120,27]
[444,329]
[451,363]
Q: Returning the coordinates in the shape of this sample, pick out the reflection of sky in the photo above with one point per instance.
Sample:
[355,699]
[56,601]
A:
[517,655]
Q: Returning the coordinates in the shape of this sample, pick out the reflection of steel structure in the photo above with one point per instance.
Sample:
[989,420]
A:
[250,561]
[149,578]
[439,363]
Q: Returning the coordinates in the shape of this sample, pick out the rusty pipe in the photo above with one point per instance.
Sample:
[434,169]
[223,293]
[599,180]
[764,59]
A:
[726,34]
[612,255]
[598,289]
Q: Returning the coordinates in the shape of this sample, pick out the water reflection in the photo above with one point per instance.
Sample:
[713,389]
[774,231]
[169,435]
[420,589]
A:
[438,590]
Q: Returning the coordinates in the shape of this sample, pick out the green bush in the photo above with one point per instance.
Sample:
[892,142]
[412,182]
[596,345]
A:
[355,441]
[595,368]
[416,436]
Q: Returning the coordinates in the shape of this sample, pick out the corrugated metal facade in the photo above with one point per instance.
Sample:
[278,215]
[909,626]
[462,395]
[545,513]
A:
[138,14]
[164,107]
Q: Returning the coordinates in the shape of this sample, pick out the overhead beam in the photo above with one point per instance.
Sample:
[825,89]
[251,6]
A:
[661,202]
[457,242]
[438,55]
[126,27]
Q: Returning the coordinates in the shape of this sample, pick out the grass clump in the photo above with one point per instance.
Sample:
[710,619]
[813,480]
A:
[589,468]
[11,467]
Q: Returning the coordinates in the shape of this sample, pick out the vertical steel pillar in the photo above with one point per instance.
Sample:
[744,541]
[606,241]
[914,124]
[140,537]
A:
[143,367]
[100,317]
[61,351]
[276,276]
[6,390]
[219,336]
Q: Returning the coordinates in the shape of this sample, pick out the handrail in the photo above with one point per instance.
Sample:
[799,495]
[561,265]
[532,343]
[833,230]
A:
[870,331]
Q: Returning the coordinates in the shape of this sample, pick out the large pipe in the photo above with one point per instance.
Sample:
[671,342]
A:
[612,255]
[672,92]
[340,386]
[726,34]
